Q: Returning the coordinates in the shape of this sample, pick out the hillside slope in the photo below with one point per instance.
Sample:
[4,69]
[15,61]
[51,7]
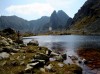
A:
[87,19]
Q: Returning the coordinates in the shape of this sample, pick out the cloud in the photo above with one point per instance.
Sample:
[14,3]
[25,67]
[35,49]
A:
[31,9]
[61,3]
[39,8]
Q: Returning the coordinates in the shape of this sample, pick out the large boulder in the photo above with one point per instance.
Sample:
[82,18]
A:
[33,42]
[42,56]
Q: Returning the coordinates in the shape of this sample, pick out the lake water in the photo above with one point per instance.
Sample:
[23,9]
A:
[67,44]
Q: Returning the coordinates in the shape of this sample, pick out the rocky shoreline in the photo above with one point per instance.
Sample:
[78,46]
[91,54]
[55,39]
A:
[18,58]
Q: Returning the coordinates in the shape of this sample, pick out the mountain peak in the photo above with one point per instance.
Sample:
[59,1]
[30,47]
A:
[61,11]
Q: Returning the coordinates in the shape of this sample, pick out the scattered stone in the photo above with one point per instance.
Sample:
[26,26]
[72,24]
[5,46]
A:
[42,69]
[12,53]
[60,64]
[4,43]
[28,67]
[18,57]
[49,67]
[59,58]
[22,63]
[24,57]
[23,45]
[73,57]
[64,56]
[10,41]
[33,64]
[4,55]
[54,54]
[52,59]
[41,56]
[22,51]
[15,50]
[48,52]
[84,61]
[79,62]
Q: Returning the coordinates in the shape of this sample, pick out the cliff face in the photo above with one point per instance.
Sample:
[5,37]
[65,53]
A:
[58,20]
[87,19]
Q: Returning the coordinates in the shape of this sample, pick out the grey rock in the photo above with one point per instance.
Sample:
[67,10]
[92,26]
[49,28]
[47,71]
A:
[10,41]
[41,56]
[59,58]
[60,64]
[22,63]
[33,42]
[4,55]
[4,43]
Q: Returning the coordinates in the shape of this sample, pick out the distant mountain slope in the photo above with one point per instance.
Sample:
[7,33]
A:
[57,20]
[88,17]
[36,25]
[13,22]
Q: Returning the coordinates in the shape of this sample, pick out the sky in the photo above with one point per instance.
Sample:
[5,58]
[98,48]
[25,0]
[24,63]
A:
[34,9]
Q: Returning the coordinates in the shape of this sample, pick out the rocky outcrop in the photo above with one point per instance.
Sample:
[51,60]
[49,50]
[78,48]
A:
[87,19]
